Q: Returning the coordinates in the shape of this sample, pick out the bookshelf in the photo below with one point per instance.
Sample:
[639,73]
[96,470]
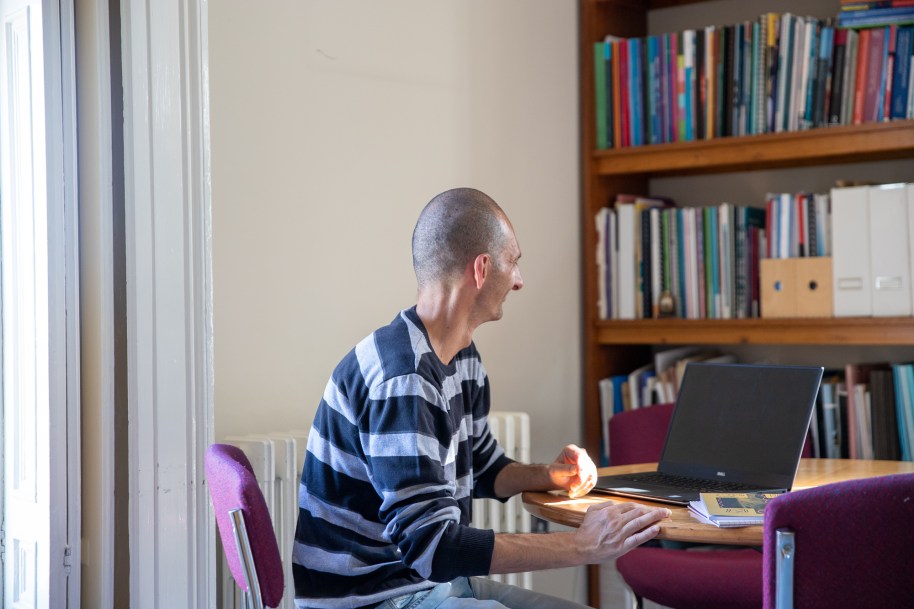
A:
[617,346]
[613,347]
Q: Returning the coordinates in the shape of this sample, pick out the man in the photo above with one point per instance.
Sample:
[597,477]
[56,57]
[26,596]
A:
[400,446]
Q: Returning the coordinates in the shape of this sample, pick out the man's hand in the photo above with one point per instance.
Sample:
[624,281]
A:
[574,471]
[609,530]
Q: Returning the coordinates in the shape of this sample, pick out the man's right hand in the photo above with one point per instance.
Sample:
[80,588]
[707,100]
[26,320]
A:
[609,529]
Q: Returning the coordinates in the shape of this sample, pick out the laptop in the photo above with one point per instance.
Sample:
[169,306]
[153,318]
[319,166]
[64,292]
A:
[735,428]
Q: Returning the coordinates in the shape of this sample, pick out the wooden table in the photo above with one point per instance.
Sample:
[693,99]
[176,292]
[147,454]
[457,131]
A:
[681,526]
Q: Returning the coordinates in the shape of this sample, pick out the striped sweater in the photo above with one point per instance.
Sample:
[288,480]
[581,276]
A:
[399,447]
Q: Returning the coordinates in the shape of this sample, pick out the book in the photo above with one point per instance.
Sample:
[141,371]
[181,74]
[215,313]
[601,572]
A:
[600,89]
[625,225]
[901,68]
[859,437]
[831,421]
[731,509]
[602,223]
[837,79]
[904,409]
[885,422]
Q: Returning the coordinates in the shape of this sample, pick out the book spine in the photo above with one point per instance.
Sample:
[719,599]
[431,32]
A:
[711,50]
[681,87]
[688,41]
[617,102]
[747,118]
[851,59]
[701,89]
[754,126]
[664,88]
[784,41]
[770,67]
[887,73]
[807,77]
[646,266]
[725,81]
[863,54]
[670,78]
[837,79]
[599,61]
[625,97]
[901,71]
[636,74]
[653,73]
[823,75]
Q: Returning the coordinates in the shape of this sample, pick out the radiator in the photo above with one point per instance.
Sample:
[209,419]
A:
[512,430]
[277,460]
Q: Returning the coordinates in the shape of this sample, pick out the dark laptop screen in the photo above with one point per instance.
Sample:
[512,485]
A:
[741,422]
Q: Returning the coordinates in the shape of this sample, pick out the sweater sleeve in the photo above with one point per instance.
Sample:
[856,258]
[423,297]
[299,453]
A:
[488,456]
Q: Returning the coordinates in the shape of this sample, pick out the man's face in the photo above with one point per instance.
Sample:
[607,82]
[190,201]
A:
[505,275]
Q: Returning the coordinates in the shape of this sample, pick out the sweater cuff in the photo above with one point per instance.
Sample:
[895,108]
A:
[485,484]
[463,552]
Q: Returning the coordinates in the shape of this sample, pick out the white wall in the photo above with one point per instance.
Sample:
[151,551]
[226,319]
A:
[333,123]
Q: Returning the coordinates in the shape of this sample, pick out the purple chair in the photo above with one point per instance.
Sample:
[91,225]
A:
[245,527]
[677,578]
[848,544]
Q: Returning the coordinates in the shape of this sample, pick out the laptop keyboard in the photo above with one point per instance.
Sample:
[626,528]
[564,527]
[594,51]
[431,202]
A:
[700,484]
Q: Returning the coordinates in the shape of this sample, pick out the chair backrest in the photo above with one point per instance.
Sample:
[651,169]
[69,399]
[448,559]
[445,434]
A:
[233,486]
[852,545]
[637,436]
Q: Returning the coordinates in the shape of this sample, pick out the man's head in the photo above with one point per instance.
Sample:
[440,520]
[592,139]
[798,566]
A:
[461,229]
[455,227]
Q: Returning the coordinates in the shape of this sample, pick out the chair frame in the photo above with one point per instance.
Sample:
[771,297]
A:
[252,596]
[785,543]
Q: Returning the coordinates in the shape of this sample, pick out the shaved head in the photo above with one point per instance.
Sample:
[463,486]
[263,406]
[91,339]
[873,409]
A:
[455,227]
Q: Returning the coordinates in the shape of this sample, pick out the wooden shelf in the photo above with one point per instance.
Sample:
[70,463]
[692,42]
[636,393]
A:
[840,144]
[843,331]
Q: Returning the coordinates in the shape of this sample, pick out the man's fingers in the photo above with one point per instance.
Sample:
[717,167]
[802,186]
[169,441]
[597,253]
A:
[572,452]
[641,537]
[582,487]
[632,517]
[644,521]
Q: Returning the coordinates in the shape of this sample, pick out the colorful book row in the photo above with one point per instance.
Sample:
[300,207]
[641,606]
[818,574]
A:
[780,72]
[654,260]
[865,411]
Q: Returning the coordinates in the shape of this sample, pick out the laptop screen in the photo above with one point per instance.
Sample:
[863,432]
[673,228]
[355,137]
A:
[741,423]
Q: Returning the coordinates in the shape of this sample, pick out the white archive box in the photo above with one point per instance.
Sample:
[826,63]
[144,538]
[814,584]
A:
[872,233]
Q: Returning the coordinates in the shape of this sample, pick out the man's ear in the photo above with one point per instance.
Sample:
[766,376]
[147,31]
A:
[481,269]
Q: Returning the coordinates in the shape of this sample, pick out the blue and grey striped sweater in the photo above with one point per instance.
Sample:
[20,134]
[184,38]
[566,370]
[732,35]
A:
[399,447]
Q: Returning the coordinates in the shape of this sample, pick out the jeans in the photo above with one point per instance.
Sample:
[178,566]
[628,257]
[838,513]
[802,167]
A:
[477,593]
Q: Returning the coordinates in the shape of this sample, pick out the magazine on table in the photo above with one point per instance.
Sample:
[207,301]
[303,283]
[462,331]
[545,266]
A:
[731,509]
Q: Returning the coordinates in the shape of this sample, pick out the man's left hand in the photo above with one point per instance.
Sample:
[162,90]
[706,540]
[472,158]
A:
[574,471]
